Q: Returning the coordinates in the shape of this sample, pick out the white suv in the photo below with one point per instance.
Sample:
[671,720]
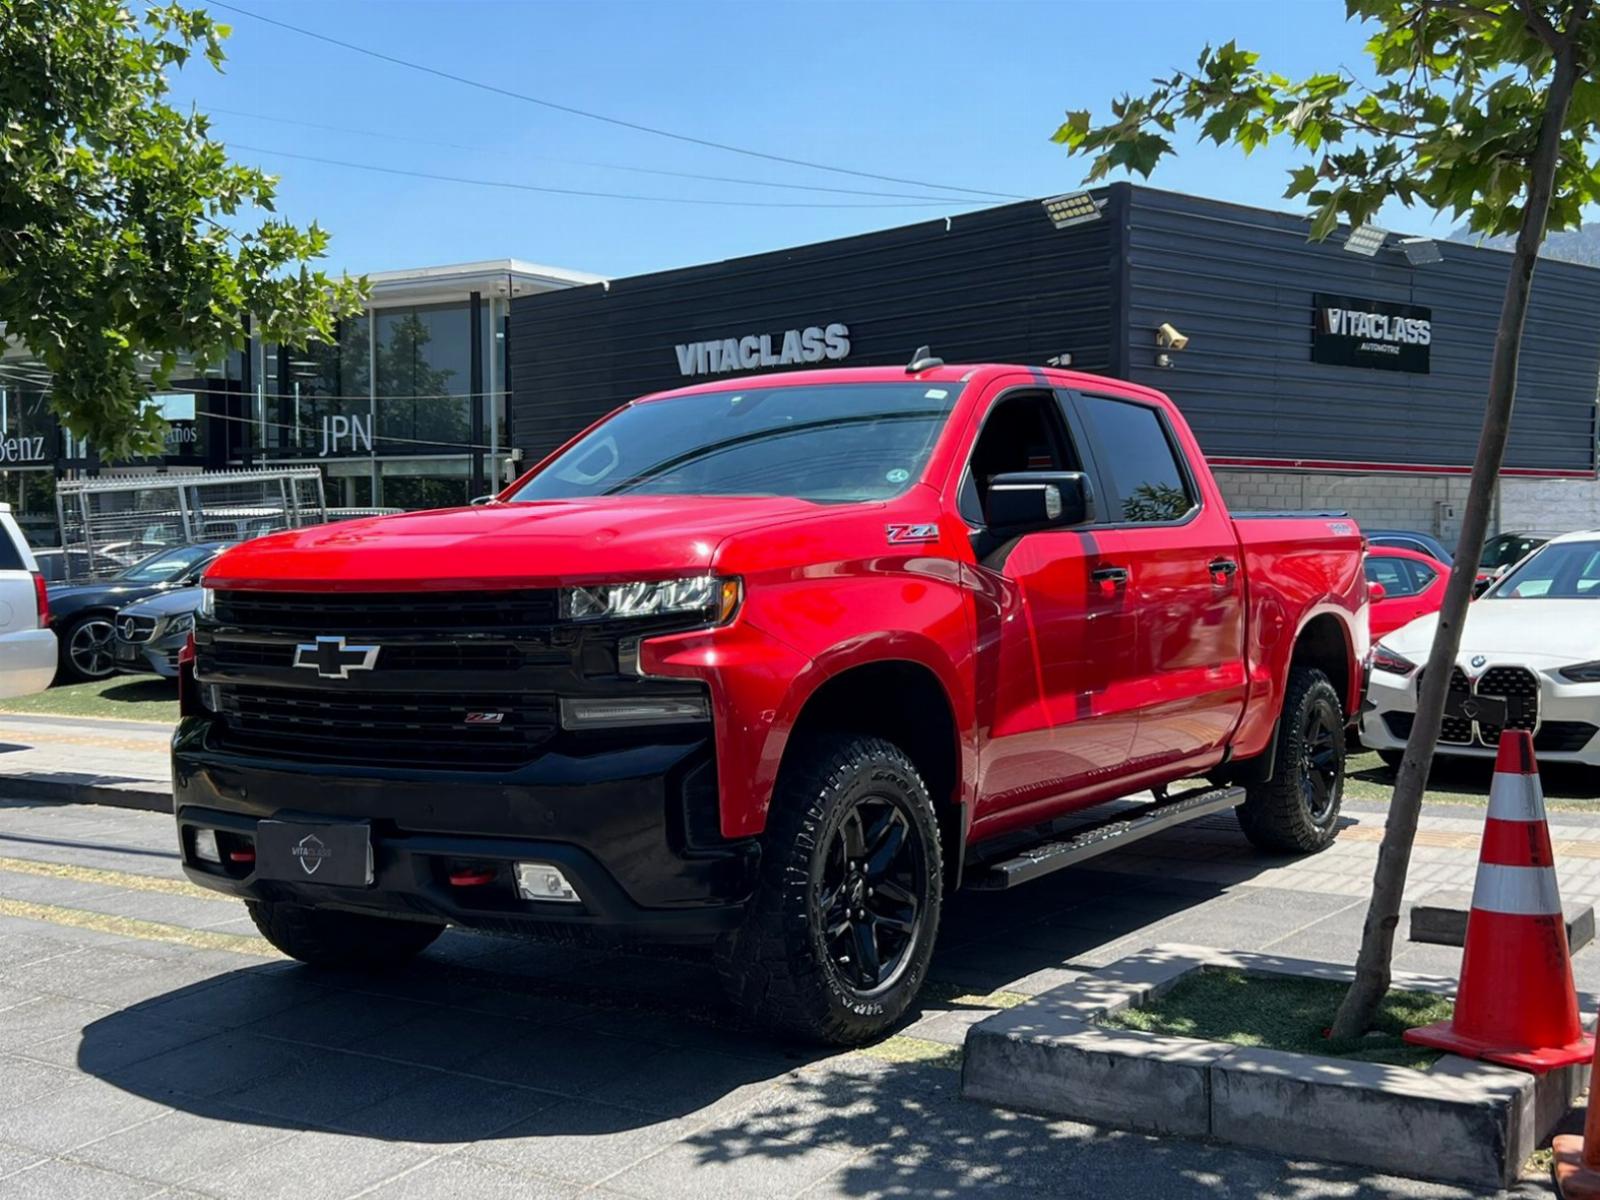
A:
[27,645]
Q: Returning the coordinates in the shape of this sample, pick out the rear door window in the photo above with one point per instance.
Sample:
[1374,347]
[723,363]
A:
[1392,574]
[1138,462]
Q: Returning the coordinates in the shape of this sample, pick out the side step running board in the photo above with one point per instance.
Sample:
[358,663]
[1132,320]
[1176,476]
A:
[1102,837]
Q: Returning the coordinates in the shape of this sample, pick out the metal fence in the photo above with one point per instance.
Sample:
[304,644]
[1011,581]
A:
[110,523]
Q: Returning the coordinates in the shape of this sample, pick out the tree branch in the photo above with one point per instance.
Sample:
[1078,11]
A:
[1541,27]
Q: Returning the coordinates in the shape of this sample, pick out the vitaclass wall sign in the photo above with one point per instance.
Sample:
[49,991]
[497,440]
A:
[1350,332]
[791,348]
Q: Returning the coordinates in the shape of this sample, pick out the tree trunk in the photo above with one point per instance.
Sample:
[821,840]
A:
[1360,1004]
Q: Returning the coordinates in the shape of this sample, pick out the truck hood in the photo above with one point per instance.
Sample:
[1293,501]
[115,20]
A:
[545,542]
[1536,632]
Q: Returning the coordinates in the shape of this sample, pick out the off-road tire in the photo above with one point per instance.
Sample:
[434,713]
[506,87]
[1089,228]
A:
[776,969]
[325,937]
[1282,814]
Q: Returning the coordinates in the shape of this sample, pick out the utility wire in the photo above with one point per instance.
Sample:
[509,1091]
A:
[581,162]
[593,116]
[925,202]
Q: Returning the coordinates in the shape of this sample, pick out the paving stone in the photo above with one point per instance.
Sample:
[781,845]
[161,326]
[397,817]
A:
[322,1086]
[454,1176]
[444,1108]
[313,1165]
[572,1062]
[674,1082]
[580,1142]
[178,1147]
[54,1179]
[76,1116]
[703,1167]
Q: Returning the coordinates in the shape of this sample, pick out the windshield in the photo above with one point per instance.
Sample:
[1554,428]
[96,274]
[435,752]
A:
[167,565]
[1565,571]
[1508,548]
[831,443]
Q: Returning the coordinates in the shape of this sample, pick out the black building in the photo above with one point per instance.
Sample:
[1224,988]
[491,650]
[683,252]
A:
[1311,375]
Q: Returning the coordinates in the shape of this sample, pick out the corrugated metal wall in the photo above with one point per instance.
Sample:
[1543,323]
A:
[1239,282]
[1001,284]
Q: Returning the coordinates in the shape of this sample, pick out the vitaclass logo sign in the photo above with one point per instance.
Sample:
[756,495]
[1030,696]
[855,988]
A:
[792,347]
[1387,328]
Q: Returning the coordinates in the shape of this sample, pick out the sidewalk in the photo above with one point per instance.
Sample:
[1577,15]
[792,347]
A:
[73,760]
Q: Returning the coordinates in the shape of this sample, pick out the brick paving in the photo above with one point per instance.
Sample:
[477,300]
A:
[152,1045]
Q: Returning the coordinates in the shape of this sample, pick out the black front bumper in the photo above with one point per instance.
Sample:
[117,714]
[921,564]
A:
[632,828]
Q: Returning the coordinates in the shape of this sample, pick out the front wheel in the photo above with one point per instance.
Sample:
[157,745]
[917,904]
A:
[325,937]
[1297,810]
[840,930]
[87,650]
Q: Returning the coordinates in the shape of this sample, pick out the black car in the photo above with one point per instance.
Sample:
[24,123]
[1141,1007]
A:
[1410,539]
[81,613]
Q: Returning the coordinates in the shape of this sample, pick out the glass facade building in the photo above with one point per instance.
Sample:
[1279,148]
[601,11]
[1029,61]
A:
[405,408]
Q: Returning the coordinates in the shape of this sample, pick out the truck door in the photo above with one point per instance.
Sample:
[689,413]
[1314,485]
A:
[1177,557]
[1048,636]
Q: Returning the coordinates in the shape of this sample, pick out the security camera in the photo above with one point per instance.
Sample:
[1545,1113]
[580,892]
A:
[1168,335]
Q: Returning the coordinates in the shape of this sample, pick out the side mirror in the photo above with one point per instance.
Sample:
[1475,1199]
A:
[1025,500]
[1376,592]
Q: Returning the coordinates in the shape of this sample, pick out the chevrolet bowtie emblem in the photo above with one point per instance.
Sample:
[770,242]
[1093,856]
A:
[334,658]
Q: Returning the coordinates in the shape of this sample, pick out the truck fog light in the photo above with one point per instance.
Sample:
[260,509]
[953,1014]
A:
[205,846]
[616,713]
[543,881]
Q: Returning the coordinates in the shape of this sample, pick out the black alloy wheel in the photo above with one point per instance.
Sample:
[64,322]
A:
[869,893]
[1322,761]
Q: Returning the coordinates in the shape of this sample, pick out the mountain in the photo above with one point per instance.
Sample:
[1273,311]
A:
[1574,245]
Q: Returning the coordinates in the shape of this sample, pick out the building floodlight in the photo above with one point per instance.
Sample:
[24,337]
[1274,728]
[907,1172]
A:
[1365,240]
[1074,208]
[1420,251]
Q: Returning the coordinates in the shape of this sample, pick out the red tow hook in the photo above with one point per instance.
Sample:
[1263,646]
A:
[473,877]
[242,856]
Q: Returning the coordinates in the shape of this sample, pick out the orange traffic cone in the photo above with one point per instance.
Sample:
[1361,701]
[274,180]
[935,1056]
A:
[1517,1004]
[1576,1166]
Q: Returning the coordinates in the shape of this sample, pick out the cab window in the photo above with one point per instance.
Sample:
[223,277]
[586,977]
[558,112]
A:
[1138,462]
[1023,432]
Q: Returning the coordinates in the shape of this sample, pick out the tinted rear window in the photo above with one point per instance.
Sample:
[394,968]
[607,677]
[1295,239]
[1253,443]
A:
[1146,481]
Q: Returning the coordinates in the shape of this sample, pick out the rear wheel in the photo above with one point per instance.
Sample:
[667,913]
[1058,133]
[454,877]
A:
[839,933]
[1296,811]
[87,650]
[329,938]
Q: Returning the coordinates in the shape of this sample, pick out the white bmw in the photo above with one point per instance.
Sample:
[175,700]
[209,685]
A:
[1531,643]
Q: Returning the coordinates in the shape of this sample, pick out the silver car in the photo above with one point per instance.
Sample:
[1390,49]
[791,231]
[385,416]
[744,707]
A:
[150,633]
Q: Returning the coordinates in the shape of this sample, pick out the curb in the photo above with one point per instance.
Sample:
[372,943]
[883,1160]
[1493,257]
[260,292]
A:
[143,795]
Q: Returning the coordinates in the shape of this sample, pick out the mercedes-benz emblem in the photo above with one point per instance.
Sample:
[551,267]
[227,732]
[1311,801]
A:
[128,627]
[311,850]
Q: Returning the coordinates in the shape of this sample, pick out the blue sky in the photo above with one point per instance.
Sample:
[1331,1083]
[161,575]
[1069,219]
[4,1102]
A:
[957,93]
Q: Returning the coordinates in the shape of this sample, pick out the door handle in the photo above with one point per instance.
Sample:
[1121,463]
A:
[1225,567]
[1109,575]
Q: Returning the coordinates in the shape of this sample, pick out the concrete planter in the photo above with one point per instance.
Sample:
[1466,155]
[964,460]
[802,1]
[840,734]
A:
[1463,1121]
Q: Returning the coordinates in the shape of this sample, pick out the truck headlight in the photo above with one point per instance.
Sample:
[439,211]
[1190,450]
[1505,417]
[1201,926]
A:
[207,608]
[716,599]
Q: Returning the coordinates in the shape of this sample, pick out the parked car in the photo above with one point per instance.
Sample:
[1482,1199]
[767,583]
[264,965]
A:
[1402,586]
[81,613]
[150,633]
[27,645]
[61,566]
[1504,551]
[1529,659]
[768,664]
[1410,539]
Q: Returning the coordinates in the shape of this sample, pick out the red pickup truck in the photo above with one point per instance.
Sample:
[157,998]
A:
[771,664]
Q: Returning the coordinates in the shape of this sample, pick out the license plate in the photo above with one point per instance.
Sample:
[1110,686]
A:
[337,855]
[1486,710]
[127,653]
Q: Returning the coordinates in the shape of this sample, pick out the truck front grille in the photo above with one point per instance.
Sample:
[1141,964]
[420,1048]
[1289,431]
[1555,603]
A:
[386,612]
[395,656]
[489,732]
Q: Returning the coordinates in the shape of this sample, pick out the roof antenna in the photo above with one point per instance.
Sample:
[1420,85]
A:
[923,360]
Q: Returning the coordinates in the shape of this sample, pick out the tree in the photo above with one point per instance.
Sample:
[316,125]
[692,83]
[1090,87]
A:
[120,239]
[1484,109]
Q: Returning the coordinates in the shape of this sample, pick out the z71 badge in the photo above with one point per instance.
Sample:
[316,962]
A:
[899,535]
